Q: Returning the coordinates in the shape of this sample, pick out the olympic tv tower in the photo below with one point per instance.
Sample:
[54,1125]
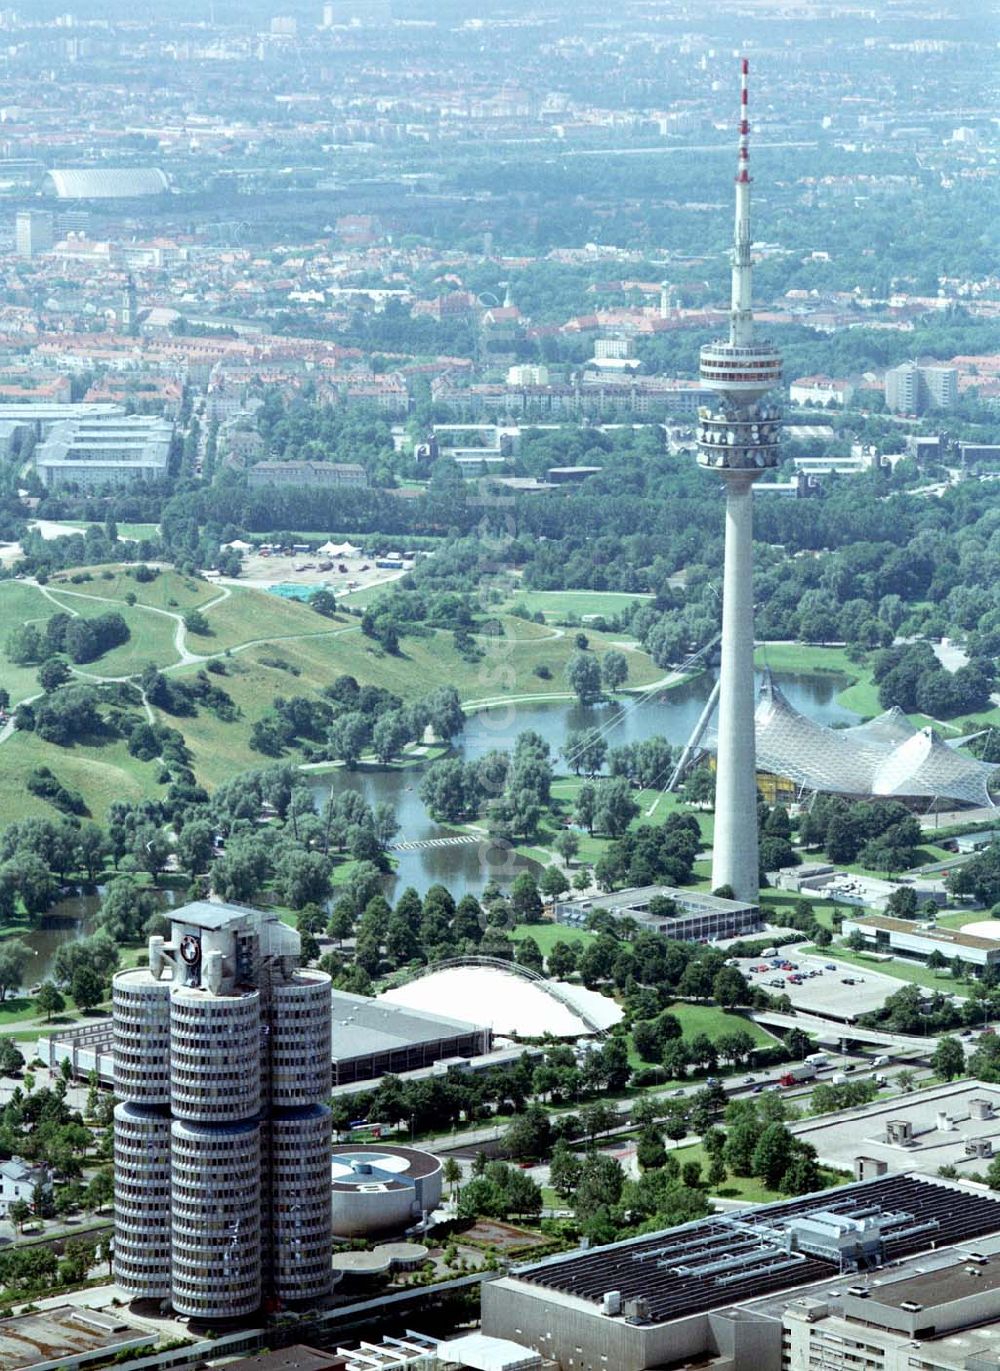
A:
[738,440]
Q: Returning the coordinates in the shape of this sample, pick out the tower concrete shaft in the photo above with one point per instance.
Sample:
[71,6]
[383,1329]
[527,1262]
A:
[734,847]
[738,440]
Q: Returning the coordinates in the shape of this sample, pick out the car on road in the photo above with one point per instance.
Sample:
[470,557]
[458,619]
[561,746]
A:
[847,980]
[750,1080]
[776,980]
[830,966]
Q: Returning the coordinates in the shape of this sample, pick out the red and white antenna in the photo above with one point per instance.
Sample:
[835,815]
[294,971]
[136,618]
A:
[741,318]
[743,171]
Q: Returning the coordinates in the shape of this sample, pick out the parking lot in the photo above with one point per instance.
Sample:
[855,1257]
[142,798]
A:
[826,986]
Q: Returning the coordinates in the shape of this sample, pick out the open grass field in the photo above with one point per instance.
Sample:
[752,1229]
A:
[151,640]
[746,1188]
[249,615]
[958,918]
[710,1019]
[547,934]
[20,604]
[169,590]
[322,648]
[558,604]
[102,774]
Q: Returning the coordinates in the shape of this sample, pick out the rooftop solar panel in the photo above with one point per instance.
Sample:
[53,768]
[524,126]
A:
[681,1270]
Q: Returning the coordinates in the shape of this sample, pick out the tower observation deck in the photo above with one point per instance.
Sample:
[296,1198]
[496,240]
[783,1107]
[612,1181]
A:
[738,438]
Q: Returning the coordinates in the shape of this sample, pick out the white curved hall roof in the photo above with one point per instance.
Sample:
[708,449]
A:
[106,183]
[887,756]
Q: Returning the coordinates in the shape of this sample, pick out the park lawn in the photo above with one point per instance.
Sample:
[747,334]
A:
[898,967]
[547,934]
[151,640]
[702,875]
[559,604]
[101,774]
[20,604]
[776,901]
[322,649]
[169,590]
[747,1188]
[523,630]
[138,531]
[248,616]
[713,1021]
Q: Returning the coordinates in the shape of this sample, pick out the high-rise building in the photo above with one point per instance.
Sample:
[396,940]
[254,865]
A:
[911,388]
[738,439]
[33,232]
[222,1139]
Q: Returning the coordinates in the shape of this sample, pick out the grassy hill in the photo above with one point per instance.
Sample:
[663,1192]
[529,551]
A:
[269,647]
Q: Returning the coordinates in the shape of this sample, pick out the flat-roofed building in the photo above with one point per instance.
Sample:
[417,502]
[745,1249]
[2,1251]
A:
[899,1325]
[371,1037]
[715,1292]
[321,474]
[956,1124]
[68,1337]
[33,232]
[91,453]
[688,915]
[905,938]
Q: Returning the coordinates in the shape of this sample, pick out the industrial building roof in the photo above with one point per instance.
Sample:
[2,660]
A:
[727,1259]
[63,1333]
[958,937]
[363,1026]
[944,1121]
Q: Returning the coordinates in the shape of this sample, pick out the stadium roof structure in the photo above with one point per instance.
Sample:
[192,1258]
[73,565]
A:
[887,756]
[726,1259]
[106,183]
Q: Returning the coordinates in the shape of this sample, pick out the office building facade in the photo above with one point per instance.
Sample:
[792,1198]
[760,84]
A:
[222,1139]
[34,232]
[92,453]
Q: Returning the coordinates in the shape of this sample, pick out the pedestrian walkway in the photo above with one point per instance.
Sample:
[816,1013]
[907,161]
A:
[459,840]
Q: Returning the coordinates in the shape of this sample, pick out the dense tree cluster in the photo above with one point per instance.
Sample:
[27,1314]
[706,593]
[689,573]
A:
[650,854]
[880,834]
[80,639]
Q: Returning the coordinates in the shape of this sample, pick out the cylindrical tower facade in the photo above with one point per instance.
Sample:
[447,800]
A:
[141,1037]
[301,1214]
[299,1040]
[222,1147]
[142,1201]
[215,1055]
[215,1232]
